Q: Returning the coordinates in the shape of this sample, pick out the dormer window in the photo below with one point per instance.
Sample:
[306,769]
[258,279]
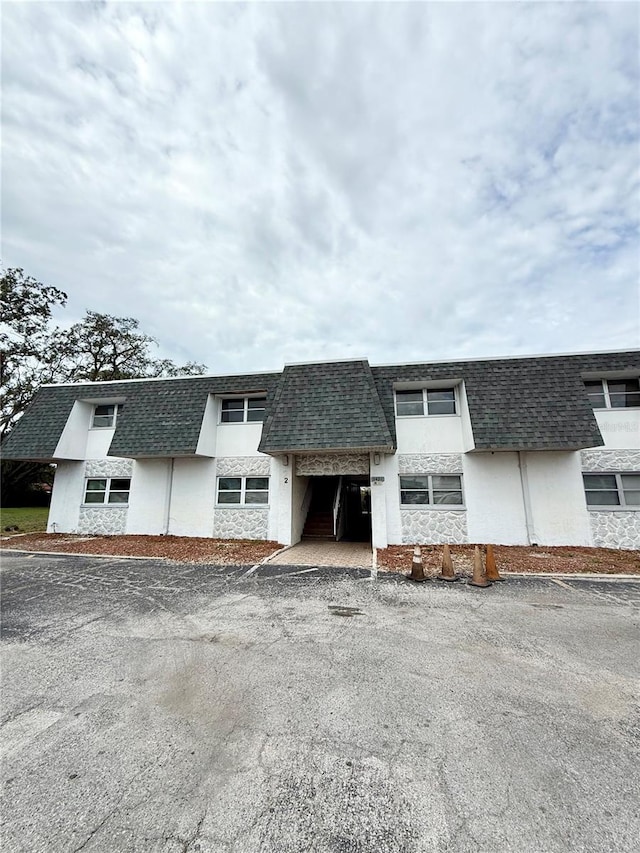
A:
[237,410]
[614,393]
[426,401]
[104,416]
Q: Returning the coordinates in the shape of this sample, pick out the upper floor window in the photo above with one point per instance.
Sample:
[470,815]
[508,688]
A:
[613,393]
[237,410]
[609,490]
[104,416]
[426,401]
[107,490]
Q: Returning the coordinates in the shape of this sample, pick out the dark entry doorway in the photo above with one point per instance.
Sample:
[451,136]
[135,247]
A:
[340,509]
[356,493]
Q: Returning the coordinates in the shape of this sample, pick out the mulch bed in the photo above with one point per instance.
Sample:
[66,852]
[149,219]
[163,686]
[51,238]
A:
[395,558]
[183,548]
[515,558]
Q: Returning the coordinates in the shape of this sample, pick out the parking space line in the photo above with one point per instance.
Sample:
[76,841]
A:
[251,571]
[293,574]
[562,583]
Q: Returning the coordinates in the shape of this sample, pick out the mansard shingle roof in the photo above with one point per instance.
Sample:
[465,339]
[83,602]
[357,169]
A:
[519,403]
[158,417]
[514,404]
[330,406]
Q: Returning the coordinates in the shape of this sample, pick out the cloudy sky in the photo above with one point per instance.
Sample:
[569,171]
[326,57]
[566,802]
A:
[268,183]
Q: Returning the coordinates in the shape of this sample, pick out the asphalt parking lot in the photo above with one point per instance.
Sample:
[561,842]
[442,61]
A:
[155,706]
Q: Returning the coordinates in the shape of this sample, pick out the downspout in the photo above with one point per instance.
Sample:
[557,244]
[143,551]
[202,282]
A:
[166,524]
[526,499]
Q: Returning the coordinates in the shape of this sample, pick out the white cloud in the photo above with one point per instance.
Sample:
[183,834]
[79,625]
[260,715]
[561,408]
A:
[278,182]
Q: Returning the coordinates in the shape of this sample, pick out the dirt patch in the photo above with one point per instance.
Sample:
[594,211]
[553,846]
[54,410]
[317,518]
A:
[183,548]
[512,558]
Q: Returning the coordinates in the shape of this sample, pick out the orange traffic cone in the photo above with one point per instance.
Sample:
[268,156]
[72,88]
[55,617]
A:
[417,570]
[492,573]
[447,573]
[479,577]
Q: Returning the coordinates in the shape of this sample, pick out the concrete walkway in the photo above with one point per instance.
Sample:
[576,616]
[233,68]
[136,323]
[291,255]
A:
[355,555]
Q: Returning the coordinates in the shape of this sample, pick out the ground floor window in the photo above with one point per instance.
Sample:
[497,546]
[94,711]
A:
[107,490]
[431,489]
[243,490]
[610,490]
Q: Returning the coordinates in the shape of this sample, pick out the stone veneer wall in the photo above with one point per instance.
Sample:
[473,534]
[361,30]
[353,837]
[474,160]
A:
[327,464]
[243,466]
[610,460]
[433,526]
[240,523]
[613,528]
[108,468]
[430,463]
[105,519]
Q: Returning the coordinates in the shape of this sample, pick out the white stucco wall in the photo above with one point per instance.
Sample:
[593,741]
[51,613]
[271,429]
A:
[430,434]
[66,497]
[298,509]
[192,497]
[558,504]
[284,486]
[468,441]
[379,537]
[98,442]
[208,431]
[72,444]
[389,465]
[496,504]
[238,439]
[148,496]
[493,497]
[620,428]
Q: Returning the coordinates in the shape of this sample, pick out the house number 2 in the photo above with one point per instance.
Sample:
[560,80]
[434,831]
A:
[286,479]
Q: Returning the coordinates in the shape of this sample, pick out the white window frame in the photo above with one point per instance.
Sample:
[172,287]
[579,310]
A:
[430,490]
[245,409]
[114,417]
[243,490]
[607,394]
[425,401]
[107,492]
[622,505]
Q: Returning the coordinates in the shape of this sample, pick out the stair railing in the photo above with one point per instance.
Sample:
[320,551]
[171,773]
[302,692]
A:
[336,507]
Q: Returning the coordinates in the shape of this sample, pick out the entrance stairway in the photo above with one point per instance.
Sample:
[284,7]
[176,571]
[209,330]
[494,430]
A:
[319,521]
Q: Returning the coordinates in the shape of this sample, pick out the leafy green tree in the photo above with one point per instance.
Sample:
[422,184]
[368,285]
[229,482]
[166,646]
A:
[102,347]
[26,357]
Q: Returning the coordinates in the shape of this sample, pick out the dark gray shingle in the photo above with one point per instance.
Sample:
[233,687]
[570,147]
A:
[330,406]
[158,418]
[520,403]
[514,404]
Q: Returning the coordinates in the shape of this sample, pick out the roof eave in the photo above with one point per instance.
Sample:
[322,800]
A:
[377,448]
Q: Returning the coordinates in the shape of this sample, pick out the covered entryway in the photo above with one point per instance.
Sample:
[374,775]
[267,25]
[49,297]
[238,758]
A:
[339,509]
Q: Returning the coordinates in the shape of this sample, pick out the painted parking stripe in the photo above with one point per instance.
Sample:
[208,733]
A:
[562,583]
[293,574]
